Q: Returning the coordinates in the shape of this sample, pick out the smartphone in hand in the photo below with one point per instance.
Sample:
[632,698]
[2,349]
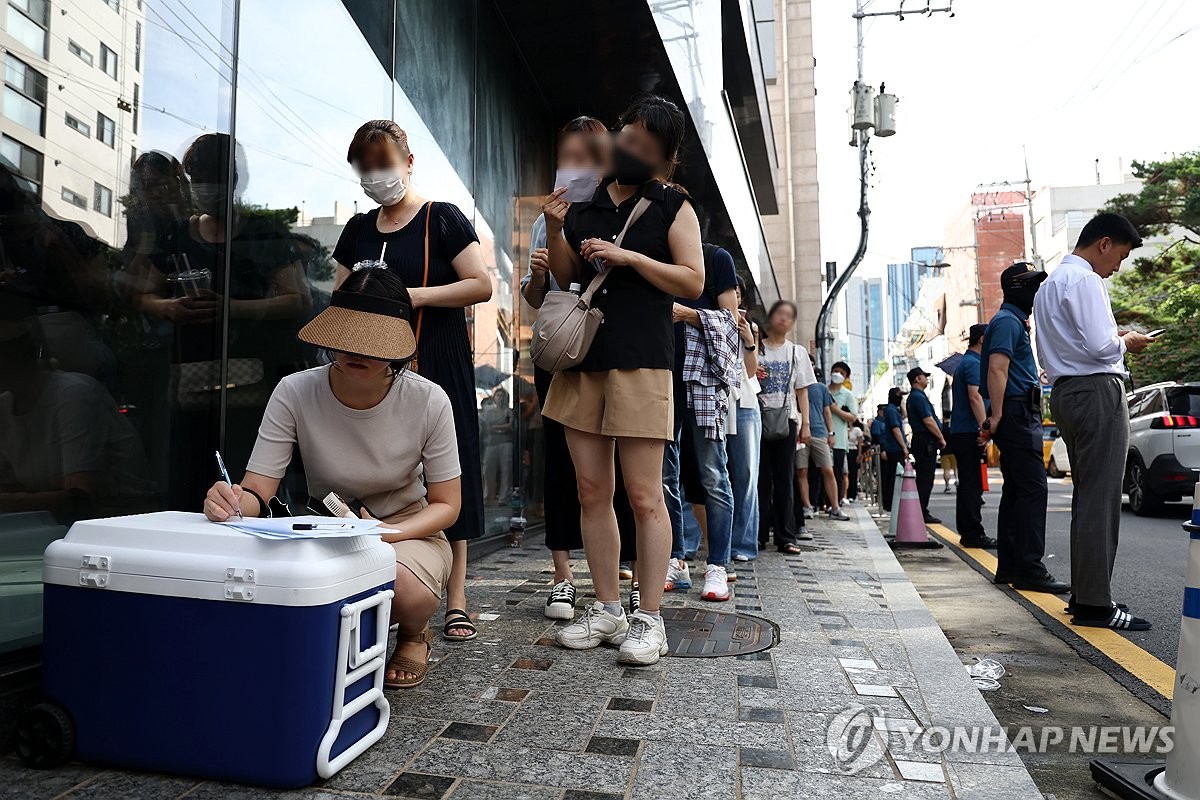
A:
[1157,333]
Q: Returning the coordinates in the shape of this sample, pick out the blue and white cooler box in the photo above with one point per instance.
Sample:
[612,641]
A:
[182,646]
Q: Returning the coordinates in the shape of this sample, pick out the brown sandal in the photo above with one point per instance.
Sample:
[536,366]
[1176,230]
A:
[399,663]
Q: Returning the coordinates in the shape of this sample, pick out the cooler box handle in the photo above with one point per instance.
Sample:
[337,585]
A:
[352,665]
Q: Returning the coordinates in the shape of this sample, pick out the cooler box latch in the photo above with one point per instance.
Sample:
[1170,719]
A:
[239,583]
[93,571]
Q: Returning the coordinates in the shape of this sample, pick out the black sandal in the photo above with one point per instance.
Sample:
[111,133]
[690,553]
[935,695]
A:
[458,620]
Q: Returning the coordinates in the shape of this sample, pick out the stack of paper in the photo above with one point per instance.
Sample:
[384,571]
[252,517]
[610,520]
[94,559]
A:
[307,527]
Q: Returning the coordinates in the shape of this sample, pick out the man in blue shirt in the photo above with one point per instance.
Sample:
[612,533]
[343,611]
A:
[818,453]
[877,426]
[927,438]
[968,414]
[1010,382]
[895,446]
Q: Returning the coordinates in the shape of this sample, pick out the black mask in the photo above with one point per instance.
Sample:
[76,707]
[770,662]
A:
[628,169]
[1022,298]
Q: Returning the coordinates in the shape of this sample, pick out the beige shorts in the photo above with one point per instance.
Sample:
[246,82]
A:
[634,403]
[429,558]
[816,454]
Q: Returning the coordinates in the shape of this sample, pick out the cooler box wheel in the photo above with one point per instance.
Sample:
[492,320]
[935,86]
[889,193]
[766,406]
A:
[45,736]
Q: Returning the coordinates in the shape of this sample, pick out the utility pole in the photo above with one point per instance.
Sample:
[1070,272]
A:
[1033,257]
[862,139]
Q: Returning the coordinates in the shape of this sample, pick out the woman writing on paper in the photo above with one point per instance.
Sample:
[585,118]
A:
[371,430]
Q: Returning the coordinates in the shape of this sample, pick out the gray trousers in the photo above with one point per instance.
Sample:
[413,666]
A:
[1093,416]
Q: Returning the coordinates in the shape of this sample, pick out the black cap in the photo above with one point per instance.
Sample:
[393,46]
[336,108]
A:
[895,393]
[976,333]
[915,372]
[1020,275]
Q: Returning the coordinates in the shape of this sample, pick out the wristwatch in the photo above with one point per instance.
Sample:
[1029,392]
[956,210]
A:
[750,348]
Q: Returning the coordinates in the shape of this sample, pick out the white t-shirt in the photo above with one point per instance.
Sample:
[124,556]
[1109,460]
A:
[854,438]
[783,379]
[381,456]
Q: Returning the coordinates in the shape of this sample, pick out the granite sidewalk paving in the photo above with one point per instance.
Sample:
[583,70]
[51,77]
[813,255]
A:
[510,715]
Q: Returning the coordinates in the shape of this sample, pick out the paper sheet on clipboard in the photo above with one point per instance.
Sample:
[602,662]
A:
[282,528]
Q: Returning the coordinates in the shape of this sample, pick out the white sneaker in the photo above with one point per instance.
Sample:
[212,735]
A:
[678,576]
[716,584]
[561,604]
[646,641]
[594,628]
[838,514]
[809,512]
[804,535]
[741,558]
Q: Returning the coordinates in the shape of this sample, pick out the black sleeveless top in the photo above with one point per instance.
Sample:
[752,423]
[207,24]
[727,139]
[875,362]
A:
[637,331]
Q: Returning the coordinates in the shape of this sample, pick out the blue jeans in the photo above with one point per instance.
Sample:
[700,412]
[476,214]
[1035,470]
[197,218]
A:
[743,452]
[714,477]
[691,532]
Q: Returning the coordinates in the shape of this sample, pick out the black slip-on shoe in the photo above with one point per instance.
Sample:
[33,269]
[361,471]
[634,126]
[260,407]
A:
[1120,620]
[983,542]
[1041,583]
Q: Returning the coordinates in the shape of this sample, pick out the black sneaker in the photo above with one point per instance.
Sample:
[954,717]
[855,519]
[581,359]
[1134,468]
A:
[983,542]
[561,604]
[635,598]
[1044,582]
[930,519]
[1003,579]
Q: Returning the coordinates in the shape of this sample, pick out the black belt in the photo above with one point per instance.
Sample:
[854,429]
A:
[1063,380]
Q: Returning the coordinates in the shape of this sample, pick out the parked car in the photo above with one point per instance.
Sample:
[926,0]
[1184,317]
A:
[1049,435]
[1059,464]
[1163,464]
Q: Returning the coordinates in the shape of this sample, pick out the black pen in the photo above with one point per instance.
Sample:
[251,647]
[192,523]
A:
[317,526]
[227,479]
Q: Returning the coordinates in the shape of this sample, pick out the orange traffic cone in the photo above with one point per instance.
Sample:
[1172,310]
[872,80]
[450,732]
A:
[910,522]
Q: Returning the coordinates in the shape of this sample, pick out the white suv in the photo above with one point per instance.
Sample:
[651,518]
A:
[1164,445]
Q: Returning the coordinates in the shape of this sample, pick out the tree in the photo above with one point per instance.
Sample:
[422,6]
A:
[1163,290]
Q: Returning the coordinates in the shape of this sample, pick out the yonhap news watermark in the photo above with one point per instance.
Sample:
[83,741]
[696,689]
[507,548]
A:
[856,738]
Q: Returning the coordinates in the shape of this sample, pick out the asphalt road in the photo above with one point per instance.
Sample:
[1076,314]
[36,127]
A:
[1151,569]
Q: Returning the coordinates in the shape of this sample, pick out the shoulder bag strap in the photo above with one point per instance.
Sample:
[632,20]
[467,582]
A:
[425,276]
[634,215]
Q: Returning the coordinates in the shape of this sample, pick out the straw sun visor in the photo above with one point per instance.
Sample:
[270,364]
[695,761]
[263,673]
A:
[364,325]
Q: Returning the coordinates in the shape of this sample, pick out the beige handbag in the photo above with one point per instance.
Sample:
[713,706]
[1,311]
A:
[567,323]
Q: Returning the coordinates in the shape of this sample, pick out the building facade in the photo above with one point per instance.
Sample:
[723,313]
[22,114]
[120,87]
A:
[793,231]
[226,182]
[71,111]
[864,334]
[982,239]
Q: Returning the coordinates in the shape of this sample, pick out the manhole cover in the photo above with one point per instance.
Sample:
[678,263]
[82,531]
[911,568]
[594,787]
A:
[694,633]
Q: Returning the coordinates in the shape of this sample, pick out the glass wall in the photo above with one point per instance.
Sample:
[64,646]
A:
[174,180]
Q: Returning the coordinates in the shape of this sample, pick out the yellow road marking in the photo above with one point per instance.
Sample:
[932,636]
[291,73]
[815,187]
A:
[1156,674]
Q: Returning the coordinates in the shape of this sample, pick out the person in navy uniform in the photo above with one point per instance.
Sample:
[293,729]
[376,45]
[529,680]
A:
[968,414]
[927,438]
[894,447]
[1010,382]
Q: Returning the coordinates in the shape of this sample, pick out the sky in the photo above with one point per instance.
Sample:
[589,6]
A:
[1071,80]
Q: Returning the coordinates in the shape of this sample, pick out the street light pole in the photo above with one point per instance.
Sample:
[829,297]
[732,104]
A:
[823,335]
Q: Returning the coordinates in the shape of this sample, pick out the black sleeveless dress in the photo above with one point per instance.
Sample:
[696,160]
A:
[444,350]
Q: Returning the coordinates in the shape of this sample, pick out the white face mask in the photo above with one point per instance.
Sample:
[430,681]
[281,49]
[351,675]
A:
[837,378]
[384,186]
